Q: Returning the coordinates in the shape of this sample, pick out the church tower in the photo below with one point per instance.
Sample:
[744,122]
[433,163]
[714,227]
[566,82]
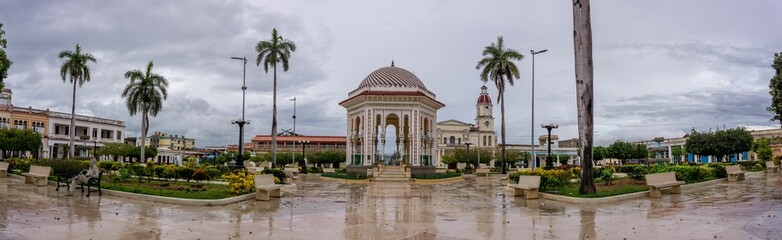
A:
[484,117]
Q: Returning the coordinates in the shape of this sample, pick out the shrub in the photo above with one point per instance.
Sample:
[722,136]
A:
[184,173]
[110,165]
[718,169]
[21,164]
[240,182]
[608,175]
[757,167]
[170,172]
[276,172]
[63,168]
[549,179]
[349,175]
[213,172]
[200,175]
[438,176]
[158,170]
[137,170]
[313,170]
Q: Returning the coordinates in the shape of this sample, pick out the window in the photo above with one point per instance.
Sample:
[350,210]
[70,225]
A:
[489,141]
[445,140]
[95,133]
[453,140]
[119,134]
[484,141]
[460,141]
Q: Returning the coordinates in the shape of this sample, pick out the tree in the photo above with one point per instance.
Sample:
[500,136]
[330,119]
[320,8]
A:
[582,45]
[677,152]
[115,150]
[599,153]
[270,52]
[498,67]
[762,149]
[719,143]
[76,70]
[19,141]
[145,93]
[620,150]
[775,89]
[5,63]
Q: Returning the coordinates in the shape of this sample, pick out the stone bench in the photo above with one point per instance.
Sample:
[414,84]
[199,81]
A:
[329,170]
[266,188]
[734,173]
[4,169]
[770,167]
[527,186]
[482,171]
[658,181]
[38,175]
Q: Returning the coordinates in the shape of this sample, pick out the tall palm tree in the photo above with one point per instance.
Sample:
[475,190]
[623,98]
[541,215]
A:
[145,93]
[498,66]
[76,70]
[270,52]
[582,45]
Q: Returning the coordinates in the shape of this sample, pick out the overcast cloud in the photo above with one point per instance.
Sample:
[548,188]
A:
[661,67]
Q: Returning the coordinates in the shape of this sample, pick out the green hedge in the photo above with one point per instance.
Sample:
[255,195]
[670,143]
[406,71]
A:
[343,175]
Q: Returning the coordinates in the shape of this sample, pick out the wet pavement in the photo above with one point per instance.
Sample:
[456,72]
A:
[477,208]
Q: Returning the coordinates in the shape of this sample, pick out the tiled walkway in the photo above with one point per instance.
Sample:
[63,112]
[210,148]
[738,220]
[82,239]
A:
[473,209]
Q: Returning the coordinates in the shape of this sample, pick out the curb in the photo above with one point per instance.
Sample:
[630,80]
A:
[342,180]
[441,180]
[576,200]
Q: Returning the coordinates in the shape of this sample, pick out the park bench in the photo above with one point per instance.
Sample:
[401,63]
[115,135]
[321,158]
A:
[291,173]
[341,165]
[329,170]
[94,182]
[482,171]
[461,166]
[770,167]
[266,188]
[658,181]
[3,169]
[527,186]
[734,173]
[38,175]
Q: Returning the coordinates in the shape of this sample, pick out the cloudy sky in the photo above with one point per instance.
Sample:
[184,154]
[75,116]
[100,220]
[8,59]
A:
[661,67]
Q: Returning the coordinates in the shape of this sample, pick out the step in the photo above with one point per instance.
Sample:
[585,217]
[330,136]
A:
[378,179]
[392,174]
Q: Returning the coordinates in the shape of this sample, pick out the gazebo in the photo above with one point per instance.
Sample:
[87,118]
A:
[391,101]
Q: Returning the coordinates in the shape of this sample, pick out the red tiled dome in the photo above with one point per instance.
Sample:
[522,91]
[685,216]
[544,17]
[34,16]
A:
[484,97]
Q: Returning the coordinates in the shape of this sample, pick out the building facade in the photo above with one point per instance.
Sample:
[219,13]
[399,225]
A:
[263,144]
[453,134]
[171,142]
[391,101]
[54,127]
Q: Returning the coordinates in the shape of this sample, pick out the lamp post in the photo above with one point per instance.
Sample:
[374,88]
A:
[549,160]
[303,153]
[241,122]
[468,152]
[294,126]
[532,123]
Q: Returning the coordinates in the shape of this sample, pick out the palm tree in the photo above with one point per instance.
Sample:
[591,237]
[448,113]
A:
[498,66]
[76,70]
[270,52]
[582,45]
[145,93]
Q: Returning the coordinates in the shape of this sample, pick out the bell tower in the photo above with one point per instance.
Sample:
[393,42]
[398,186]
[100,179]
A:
[484,112]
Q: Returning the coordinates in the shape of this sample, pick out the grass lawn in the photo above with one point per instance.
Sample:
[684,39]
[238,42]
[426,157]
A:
[188,190]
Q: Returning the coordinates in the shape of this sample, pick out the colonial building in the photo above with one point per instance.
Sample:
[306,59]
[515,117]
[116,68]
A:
[263,144]
[54,127]
[172,142]
[391,101]
[662,148]
[452,134]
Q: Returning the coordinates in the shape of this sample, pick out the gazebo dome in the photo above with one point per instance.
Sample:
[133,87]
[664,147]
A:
[392,77]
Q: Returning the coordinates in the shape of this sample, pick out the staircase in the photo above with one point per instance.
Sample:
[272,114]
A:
[391,174]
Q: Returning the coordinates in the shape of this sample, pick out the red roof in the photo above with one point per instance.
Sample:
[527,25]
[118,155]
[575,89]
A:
[484,99]
[312,139]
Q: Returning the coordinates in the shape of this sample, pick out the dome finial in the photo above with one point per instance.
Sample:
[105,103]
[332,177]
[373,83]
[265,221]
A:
[392,62]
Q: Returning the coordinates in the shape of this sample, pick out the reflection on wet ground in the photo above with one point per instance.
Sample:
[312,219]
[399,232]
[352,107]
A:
[477,208]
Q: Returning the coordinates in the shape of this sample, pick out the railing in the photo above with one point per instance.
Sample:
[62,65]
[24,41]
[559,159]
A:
[87,119]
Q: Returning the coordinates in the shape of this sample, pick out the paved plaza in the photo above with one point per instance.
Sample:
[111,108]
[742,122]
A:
[478,208]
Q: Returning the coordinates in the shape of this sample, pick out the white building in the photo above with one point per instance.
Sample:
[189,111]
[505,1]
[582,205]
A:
[90,132]
[452,134]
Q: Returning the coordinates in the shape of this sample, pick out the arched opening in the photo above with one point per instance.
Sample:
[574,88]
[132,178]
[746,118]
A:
[453,140]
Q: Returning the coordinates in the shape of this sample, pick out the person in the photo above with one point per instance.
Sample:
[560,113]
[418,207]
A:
[84,176]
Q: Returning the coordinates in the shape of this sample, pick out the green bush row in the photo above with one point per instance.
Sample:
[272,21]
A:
[438,175]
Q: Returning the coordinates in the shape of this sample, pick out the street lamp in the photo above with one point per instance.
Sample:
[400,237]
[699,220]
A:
[532,123]
[303,153]
[549,160]
[468,152]
[241,122]
[294,127]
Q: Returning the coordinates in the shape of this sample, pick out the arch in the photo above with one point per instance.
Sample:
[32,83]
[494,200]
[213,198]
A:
[445,140]
[460,141]
[484,141]
[453,140]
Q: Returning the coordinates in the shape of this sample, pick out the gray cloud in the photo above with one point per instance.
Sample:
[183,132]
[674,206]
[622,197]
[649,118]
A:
[661,67]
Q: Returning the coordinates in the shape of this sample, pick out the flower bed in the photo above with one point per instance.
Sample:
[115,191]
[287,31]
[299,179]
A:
[187,190]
